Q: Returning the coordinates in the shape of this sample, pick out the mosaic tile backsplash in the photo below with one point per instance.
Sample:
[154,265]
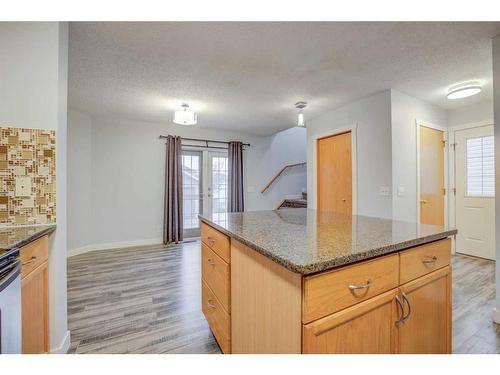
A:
[27,157]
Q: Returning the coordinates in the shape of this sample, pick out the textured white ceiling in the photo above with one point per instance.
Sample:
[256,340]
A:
[247,76]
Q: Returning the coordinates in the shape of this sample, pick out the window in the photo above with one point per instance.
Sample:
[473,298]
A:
[219,181]
[191,185]
[480,156]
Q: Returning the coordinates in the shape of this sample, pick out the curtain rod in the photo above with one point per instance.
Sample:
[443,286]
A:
[203,140]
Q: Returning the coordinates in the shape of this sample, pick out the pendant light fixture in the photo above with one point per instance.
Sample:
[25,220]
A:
[301,122]
[185,116]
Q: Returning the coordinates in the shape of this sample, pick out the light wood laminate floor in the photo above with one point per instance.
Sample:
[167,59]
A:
[147,300]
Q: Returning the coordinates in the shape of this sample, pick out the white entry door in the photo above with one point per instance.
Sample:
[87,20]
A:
[475,191]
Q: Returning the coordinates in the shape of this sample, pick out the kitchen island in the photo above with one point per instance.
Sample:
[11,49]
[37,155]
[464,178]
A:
[307,281]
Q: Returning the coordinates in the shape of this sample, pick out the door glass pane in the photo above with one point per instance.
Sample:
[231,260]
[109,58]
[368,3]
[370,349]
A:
[480,157]
[219,177]
[191,186]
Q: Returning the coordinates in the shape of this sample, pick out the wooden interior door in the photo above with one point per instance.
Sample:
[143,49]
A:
[365,328]
[334,169]
[432,189]
[427,329]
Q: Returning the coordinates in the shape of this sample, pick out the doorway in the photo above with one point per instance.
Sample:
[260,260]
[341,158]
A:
[475,191]
[204,183]
[334,173]
[431,173]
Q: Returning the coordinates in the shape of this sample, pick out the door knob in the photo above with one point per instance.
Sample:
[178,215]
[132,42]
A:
[343,199]
[423,201]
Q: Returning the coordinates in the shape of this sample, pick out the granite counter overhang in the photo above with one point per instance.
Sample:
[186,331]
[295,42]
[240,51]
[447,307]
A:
[307,241]
[19,236]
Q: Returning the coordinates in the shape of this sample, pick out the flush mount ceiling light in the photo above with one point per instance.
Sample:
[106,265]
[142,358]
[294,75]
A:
[301,122]
[464,91]
[185,116]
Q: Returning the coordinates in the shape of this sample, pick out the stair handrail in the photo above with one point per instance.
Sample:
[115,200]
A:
[280,173]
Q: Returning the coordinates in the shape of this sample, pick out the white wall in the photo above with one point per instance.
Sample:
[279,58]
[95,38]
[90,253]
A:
[127,175]
[79,180]
[373,118]
[476,113]
[33,81]
[281,149]
[405,111]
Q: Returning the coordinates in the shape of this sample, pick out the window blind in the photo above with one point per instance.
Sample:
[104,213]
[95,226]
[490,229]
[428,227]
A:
[480,156]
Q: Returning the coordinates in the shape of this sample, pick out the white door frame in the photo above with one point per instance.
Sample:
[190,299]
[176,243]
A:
[205,177]
[354,151]
[425,124]
[452,172]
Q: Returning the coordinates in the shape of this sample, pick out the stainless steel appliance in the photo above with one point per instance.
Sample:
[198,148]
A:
[10,302]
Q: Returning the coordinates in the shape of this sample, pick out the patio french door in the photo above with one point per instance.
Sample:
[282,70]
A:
[204,181]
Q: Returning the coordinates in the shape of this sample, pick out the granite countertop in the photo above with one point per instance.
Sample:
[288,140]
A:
[306,241]
[18,236]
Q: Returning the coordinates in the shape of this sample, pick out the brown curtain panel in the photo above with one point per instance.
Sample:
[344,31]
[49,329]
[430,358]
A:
[172,219]
[235,156]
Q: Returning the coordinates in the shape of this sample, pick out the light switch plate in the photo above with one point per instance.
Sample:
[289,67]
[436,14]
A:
[384,191]
[401,191]
[251,189]
[23,186]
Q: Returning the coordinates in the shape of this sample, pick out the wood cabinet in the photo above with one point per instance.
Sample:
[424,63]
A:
[427,325]
[34,294]
[397,303]
[216,284]
[366,328]
[414,318]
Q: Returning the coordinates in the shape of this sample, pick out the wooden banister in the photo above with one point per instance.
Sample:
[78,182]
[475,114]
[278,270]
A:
[280,173]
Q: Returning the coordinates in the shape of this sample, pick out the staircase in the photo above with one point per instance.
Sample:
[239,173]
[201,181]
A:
[294,203]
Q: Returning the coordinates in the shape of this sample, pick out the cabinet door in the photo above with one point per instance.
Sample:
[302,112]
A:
[35,310]
[365,328]
[427,324]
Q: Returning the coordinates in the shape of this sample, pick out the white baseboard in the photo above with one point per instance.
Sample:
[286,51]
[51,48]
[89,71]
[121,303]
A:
[496,315]
[64,346]
[113,245]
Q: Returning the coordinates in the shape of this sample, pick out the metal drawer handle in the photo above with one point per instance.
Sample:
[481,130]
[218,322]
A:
[405,298]
[211,240]
[211,262]
[32,260]
[210,304]
[429,260]
[368,284]
[400,304]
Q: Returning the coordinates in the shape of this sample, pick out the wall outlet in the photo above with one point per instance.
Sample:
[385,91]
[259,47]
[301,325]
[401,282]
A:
[23,186]
[384,191]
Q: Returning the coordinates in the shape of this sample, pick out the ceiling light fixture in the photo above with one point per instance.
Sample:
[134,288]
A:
[464,91]
[185,116]
[301,122]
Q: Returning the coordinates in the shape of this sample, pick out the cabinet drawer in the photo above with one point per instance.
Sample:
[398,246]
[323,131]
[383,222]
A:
[34,254]
[332,291]
[217,241]
[216,273]
[424,259]
[218,319]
